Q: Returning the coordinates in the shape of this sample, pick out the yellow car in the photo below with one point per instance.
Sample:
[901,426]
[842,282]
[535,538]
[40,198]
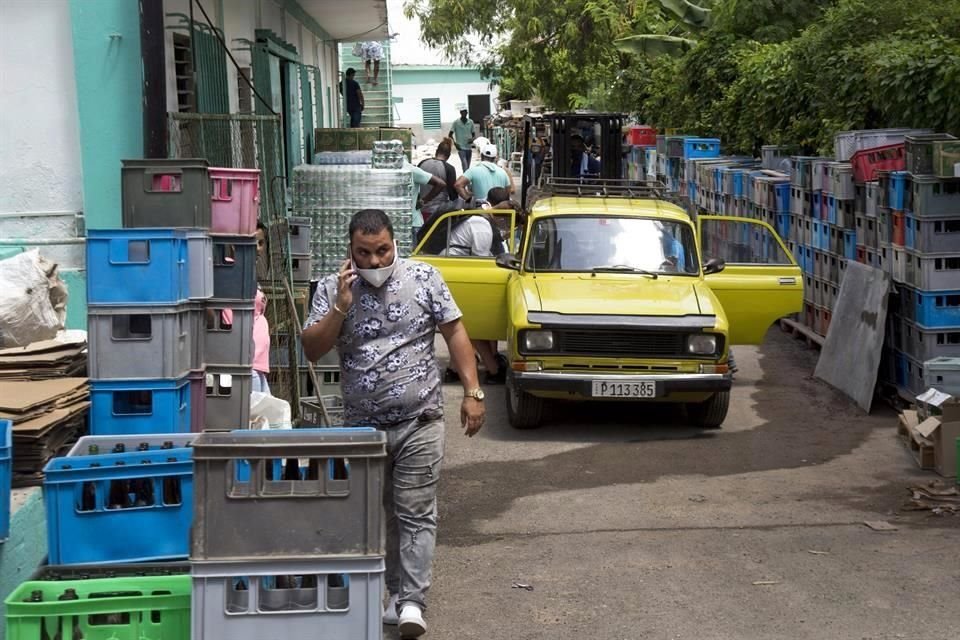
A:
[625,299]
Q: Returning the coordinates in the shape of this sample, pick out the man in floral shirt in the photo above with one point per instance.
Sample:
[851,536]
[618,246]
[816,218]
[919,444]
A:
[381,313]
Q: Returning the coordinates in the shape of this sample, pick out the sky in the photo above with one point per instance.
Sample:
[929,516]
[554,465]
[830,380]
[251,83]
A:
[406,48]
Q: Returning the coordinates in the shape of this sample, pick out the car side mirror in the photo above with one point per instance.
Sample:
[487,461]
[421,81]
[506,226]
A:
[508,261]
[713,265]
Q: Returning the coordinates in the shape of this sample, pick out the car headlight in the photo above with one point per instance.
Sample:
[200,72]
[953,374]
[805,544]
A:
[538,340]
[702,344]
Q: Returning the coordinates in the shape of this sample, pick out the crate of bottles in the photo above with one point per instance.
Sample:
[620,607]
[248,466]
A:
[335,598]
[166,193]
[228,396]
[228,339]
[119,505]
[140,406]
[137,266]
[140,342]
[6,455]
[116,608]
[334,474]
[927,344]
[235,200]
[62,572]
[935,197]
[942,373]
[234,267]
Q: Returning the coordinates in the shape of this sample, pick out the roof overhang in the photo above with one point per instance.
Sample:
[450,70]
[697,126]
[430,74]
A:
[350,20]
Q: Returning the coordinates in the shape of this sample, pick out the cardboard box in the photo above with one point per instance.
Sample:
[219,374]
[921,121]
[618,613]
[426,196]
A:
[941,427]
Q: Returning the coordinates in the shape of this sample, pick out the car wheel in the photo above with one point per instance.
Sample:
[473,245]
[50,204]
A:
[524,411]
[711,413]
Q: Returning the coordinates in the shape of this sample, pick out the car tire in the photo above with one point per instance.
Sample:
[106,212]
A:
[524,411]
[711,413]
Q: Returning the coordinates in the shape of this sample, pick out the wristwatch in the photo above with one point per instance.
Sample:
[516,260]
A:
[476,394]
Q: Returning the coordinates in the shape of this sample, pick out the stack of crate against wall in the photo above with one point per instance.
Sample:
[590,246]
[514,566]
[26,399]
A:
[289,534]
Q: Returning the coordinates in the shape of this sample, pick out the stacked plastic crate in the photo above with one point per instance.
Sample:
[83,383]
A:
[924,231]
[288,536]
[6,453]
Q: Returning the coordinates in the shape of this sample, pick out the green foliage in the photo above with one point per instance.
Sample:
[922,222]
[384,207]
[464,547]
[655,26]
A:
[756,71]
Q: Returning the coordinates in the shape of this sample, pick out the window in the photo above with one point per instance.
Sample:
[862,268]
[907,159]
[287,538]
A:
[431,113]
[740,243]
[468,235]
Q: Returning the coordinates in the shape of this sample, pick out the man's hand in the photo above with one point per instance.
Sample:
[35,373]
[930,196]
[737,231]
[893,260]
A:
[345,280]
[472,415]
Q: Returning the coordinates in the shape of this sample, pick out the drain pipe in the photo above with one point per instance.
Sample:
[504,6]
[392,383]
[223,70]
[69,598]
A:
[154,78]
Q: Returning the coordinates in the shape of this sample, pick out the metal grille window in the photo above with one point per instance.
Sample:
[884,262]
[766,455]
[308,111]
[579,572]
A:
[431,113]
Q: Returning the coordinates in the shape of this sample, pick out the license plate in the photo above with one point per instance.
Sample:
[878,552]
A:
[614,389]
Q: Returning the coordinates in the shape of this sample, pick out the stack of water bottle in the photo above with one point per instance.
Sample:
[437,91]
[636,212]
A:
[330,194]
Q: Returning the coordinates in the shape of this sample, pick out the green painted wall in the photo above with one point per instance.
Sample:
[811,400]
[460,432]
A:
[76,282]
[26,548]
[108,70]
[435,75]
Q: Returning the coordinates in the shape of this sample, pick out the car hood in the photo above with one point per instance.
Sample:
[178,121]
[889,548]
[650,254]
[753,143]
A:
[615,294]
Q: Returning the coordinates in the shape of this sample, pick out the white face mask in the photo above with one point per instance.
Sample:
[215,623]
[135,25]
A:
[376,277]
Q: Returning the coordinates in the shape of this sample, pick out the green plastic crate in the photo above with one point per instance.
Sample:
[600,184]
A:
[132,608]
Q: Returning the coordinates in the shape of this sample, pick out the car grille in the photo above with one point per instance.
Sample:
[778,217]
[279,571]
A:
[620,343]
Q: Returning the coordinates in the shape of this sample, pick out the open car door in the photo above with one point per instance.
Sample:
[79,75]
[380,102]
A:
[761,282]
[478,285]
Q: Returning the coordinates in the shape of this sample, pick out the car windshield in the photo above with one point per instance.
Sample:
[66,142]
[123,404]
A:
[605,243]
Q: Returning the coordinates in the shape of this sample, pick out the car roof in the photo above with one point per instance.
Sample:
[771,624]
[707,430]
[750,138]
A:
[645,208]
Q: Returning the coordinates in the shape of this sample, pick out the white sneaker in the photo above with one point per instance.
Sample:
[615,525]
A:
[411,622]
[390,611]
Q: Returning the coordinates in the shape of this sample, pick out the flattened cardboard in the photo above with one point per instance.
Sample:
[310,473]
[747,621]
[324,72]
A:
[18,396]
[927,427]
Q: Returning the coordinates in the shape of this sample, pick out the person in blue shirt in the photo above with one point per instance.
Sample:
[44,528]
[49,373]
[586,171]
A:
[582,164]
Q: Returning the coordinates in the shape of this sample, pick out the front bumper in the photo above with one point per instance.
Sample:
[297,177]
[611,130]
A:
[582,383]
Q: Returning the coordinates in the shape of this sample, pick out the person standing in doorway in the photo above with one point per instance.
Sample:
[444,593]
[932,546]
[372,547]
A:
[354,95]
[380,311]
[462,132]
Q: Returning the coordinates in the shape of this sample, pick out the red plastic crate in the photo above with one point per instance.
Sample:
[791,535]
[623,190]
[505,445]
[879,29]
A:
[867,162]
[642,135]
[808,314]
[899,229]
[861,254]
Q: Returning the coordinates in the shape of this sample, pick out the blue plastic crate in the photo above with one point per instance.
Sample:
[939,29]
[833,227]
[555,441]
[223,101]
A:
[910,231]
[850,244]
[831,208]
[783,225]
[808,259]
[119,507]
[897,194]
[815,235]
[901,366]
[815,203]
[137,266]
[825,237]
[6,454]
[782,196]
[935,309]
[701,148]
[121,407]
[739,176]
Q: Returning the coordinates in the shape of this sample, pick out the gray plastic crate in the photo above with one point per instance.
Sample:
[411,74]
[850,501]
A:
[937,235]
[166,193]
[131,443]
[299,234]
[336,511]
[234,267]
[139,342]
[197,320]
[200,264]
[329,415]
[914,375]
[228,397]
[933,272]
[942,374]
[919,152]
[300,267]
[847,143]
[311,599]
[841,180]
[229,334]
[927,344]
[820,176]
[872,195]
[198,400]
[935,197]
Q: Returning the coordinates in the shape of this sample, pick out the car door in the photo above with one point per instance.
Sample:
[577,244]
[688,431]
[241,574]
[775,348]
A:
[478,285]
[760,283]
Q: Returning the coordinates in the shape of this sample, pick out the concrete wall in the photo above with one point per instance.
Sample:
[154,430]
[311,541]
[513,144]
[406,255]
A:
[451,85]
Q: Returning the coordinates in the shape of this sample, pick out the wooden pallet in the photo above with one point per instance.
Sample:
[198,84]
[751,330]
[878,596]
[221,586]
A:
[802,332]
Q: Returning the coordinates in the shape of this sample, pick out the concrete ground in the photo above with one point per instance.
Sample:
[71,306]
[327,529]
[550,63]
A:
[626,524]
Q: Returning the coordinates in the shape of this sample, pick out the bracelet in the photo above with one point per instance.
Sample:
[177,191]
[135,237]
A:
[339,310]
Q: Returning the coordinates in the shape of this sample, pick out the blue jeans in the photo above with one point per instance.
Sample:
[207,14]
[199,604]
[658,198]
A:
[414,457]
[260,383]
[465,155]
[355,119]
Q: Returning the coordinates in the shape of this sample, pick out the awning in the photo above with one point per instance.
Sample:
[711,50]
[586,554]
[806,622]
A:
[350,20]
